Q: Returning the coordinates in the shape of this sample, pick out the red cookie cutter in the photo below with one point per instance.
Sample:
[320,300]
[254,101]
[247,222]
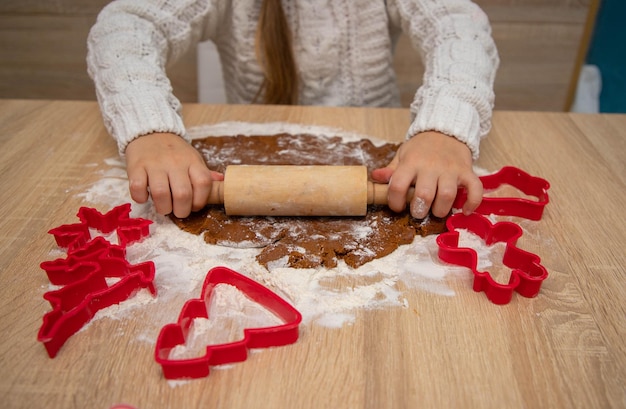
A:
[128,230]
[75,304]
[173,335]
[527,273]
[511,206]
[85,270]
[79,262]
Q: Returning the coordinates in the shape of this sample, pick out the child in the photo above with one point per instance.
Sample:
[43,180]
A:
[316,52]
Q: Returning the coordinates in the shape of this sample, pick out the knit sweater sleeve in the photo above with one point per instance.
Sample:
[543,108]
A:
[460,61]
[129,48]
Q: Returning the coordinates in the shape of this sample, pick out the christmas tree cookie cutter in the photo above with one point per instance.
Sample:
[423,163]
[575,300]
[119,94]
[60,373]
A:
[175,334]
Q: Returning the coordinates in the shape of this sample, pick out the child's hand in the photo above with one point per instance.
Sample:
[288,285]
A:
[437,165]
[172,171]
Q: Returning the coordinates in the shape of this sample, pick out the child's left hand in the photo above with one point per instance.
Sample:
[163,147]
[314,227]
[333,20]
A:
[437,164]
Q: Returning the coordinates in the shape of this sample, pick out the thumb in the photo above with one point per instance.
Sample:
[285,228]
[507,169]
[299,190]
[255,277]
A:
[382,175]
[217,176]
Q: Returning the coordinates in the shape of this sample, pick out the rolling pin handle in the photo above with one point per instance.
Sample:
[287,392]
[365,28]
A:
[216,196]
[377,193]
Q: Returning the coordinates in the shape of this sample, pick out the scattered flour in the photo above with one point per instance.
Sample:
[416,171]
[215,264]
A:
[326,297]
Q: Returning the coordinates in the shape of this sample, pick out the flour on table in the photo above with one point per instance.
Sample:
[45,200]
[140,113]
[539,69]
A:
[324,296]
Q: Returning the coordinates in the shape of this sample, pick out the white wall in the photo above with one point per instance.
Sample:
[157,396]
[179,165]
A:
[210,82]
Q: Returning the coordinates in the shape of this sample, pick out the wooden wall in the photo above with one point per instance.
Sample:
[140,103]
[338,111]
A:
[539,45]
[42,44]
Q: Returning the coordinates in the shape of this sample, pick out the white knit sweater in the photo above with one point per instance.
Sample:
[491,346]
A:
[343,50]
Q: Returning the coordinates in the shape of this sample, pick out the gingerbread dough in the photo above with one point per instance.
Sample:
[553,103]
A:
[302,242]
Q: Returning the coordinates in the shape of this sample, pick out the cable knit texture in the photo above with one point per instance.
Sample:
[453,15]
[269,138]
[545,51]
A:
[343,49]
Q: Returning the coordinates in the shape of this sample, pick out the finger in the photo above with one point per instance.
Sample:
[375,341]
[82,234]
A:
[138,184]
[425,190]
[182,193]
[446,193]
[217,175]
[382,175]
[201,182]
[160,191]
[397,191]
[474,188]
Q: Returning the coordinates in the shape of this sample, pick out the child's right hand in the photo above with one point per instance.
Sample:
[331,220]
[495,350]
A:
[168,168]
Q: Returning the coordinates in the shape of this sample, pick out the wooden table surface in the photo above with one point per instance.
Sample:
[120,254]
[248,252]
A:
[565,348]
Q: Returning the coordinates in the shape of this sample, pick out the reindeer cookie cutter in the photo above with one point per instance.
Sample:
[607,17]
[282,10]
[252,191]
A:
[527,272]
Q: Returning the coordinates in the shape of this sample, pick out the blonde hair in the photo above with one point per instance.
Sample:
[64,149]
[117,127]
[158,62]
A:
[275,55]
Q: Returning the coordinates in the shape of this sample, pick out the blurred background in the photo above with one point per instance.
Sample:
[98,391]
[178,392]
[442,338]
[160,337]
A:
[556,55]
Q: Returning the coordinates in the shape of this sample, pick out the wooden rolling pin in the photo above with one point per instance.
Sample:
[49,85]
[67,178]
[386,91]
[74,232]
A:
[251,190]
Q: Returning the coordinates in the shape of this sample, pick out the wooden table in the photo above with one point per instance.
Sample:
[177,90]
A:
[564,349]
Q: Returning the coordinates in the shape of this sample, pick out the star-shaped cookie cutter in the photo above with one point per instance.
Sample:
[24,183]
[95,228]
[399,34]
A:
[511,206]
[176,334]
[527,273]
[88,270]
[128,230]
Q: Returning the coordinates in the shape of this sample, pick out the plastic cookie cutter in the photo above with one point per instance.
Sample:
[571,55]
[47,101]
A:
[80,262]
[128,230]
[511,206]
[527,273]
[176,334]
[76,303]
[88,272]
